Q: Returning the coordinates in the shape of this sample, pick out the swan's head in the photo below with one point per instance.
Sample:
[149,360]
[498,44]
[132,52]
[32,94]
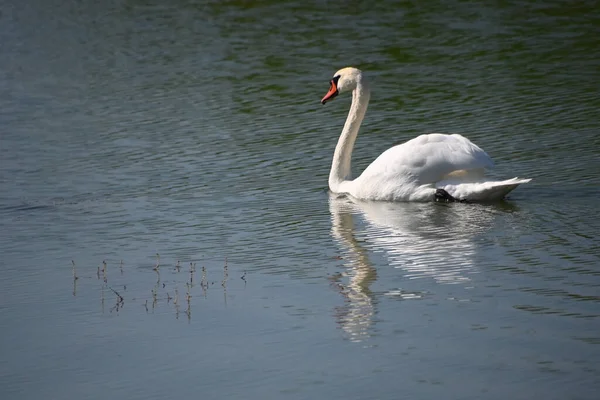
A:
[345,80]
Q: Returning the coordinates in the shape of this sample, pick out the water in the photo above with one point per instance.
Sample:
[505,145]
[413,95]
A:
[195,131]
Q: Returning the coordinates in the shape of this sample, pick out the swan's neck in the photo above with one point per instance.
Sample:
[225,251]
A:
[342,157]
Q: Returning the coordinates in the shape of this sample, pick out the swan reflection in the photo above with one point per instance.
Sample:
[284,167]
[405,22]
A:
[423,240]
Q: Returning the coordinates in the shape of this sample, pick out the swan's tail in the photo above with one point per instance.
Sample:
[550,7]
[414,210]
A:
[481,191]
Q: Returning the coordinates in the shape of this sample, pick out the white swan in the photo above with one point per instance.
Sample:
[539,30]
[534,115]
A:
[428,167]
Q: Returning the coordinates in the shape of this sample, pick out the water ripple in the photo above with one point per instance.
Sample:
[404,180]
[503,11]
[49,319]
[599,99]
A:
[195,130]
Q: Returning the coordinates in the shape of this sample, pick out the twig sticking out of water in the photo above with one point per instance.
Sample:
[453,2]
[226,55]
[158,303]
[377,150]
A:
[75,277]
[192,270]
[104,271]
[225,273]
[157,266]
[188,297]
[120,298]
[121,266]
[102,298]
[154,296]
[204,282]
[177,266]
[243,277]
[176,302]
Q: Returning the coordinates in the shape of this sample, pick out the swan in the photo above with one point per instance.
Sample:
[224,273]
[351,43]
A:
[429,167]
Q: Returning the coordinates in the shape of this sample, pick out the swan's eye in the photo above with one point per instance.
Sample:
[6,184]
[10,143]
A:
[333,90]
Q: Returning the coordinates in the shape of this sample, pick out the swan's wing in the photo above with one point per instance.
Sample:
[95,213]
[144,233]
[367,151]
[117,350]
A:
[429,158]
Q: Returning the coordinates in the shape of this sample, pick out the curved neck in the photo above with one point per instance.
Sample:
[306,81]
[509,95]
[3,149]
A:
[342,157]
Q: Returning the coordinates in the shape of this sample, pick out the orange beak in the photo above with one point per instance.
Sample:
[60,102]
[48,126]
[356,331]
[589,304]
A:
[333,91]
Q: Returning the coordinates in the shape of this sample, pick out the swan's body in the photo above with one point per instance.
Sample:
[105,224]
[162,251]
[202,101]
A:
[414,170]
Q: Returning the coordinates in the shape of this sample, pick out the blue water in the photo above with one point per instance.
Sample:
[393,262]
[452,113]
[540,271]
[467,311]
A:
[195,131]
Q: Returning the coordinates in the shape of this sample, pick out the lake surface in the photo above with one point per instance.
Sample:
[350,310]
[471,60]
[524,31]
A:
[131,128]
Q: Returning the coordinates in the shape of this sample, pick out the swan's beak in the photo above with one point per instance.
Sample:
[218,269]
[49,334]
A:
[333,91]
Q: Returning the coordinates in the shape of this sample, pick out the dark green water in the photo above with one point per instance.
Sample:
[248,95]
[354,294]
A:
[194,130]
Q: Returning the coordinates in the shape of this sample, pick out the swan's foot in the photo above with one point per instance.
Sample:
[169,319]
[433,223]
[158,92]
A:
[445,197]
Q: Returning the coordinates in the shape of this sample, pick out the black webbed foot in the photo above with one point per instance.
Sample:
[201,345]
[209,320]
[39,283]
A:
[445,197]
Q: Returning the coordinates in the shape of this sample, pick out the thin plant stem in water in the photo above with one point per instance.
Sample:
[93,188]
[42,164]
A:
[204,282]
[120,301]
[188,297]
[75,277]
[102,298]
[192,270]
[120,298]
[176,302]
[157,266]
[225,274]
[154,296]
